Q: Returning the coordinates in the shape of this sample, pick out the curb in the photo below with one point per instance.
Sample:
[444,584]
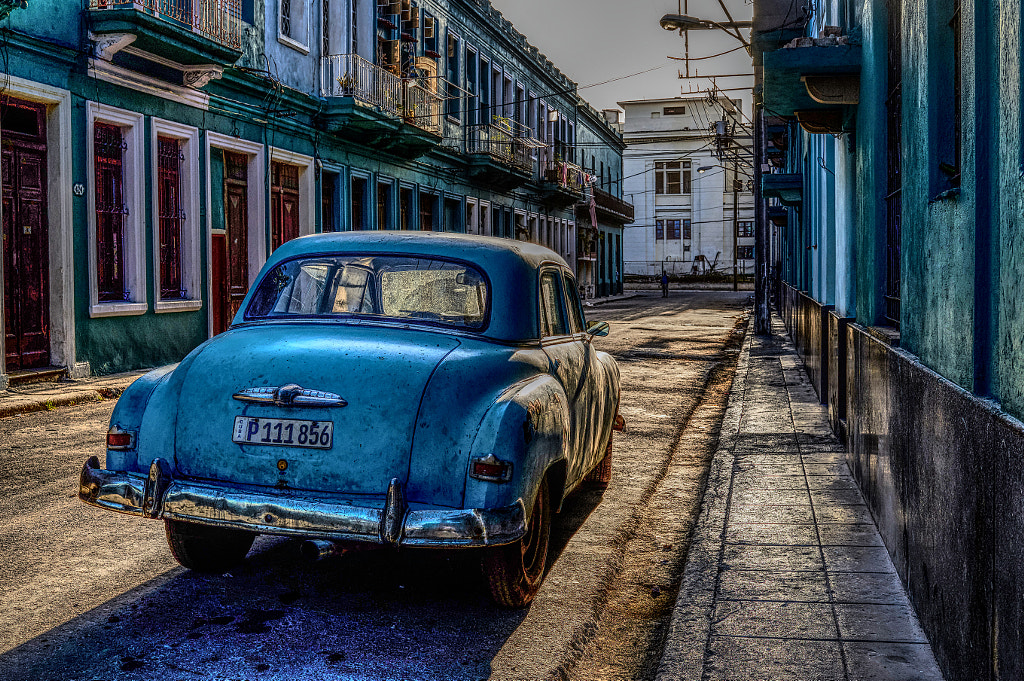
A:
[690,626]
[65,395]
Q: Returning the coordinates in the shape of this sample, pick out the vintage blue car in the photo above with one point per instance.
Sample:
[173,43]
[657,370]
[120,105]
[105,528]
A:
[398,388]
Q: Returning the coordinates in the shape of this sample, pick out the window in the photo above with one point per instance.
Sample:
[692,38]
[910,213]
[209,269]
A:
[430,36]
[117,262]
[473,87]
[424,290]
[552,316]
[358,202]
[672,177]
[171,216]
[745,253]
[291,26]
[673,229]
[325,28]
[328,188]
[577,322]
[405,208]
[383,205]
[110,212]
[745,228]
[687,229]
[674,110]
[452,93]
[175,216]
[659,230]
[428,211]
[452,214]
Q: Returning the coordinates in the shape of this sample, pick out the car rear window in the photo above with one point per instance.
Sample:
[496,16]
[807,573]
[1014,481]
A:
[393,287]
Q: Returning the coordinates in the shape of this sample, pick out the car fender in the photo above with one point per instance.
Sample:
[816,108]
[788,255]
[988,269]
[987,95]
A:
[527,426]
[129,413]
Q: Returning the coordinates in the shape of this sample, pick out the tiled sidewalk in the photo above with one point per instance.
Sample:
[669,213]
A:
[787,577]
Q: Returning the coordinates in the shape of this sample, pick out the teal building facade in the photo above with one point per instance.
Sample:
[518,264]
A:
[890,148]
[155,153]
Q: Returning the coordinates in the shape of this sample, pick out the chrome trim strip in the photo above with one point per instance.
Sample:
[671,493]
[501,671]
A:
[293,516]
[290,396]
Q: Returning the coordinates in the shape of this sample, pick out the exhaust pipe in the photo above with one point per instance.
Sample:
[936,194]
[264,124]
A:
[318,549]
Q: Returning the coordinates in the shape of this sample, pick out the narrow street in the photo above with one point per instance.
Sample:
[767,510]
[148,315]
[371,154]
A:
[92,595]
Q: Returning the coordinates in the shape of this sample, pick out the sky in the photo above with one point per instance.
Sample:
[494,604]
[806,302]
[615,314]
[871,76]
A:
[592,41]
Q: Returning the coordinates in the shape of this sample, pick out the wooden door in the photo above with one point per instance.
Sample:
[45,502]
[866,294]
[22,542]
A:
[284,204]
[230,255]
[25,236]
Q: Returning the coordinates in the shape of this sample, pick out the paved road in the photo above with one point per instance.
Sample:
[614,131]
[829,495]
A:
[86,594]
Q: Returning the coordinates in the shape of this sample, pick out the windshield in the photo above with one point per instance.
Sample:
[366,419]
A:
[393,287]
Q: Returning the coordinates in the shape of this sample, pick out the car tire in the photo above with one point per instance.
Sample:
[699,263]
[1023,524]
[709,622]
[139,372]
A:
[207,549]
[601,475]
[515,571]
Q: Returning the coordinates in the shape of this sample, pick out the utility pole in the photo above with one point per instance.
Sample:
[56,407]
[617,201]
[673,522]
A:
[735,223]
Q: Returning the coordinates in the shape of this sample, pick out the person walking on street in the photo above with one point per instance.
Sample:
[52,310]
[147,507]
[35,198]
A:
[664,284]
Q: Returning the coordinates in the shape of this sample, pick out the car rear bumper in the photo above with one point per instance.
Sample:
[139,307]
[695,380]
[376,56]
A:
[160,495]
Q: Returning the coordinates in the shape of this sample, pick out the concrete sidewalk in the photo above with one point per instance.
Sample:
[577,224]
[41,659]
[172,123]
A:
[787,577]
[50,395]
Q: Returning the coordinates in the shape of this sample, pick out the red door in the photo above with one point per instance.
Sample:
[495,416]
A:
[230,254]
[25,238]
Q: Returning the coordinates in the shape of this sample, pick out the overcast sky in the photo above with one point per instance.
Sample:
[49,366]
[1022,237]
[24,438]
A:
[592,41]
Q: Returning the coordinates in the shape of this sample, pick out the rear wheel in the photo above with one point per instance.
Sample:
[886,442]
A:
[207,549]
[601,475]
[514,571]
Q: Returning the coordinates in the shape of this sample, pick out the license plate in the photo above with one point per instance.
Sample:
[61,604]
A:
[251,430]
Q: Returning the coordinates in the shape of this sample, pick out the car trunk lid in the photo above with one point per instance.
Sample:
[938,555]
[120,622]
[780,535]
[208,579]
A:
[380,385]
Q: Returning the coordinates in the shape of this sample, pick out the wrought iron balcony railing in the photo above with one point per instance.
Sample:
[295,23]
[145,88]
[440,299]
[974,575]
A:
[218,20]
[566,175]
[501,145]
[422,108]
[349,75]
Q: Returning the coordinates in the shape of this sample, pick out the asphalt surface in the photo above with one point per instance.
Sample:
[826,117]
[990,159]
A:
[88,594]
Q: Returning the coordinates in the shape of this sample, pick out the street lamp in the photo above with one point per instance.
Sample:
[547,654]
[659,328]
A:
[682,22]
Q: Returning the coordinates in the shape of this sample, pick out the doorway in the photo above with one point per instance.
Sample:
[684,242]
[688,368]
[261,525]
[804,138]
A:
[230,250]
[25,235]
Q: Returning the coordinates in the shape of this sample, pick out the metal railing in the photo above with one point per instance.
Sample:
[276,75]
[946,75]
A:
[423,108]
[500,144]
[218,20]
[566,175]
[349,75]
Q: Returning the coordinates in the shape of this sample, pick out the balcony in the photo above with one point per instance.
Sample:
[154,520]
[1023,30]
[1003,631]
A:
[612,208]
[181,32]
[562,184]
[497,157]
[816,81]
[788,188]
[373,106]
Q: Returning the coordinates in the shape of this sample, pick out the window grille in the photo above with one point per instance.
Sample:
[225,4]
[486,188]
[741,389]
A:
[109,147]
[894,170]
[171,215]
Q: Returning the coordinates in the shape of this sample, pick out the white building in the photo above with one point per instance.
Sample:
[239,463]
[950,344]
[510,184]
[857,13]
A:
[686,164]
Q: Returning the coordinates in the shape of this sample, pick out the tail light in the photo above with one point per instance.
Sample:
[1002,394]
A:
[491,469]
[120,439]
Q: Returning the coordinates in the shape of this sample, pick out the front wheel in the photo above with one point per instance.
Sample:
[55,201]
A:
[514,571]
[207,549]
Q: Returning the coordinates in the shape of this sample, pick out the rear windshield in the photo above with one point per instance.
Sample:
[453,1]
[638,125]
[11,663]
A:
[393,287]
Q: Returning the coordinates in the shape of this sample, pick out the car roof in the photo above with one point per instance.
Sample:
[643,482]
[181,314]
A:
[509,265]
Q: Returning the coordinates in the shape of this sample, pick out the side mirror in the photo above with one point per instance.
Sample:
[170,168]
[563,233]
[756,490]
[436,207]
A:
[597,329]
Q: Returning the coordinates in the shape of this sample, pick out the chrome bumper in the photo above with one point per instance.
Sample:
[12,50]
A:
[160,495]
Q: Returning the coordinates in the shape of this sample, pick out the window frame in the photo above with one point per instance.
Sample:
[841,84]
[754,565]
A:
[298,18]
[133,161]
[545,336]
[190,246]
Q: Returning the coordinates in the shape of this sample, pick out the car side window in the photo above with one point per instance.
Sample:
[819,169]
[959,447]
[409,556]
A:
[577,323]
[552,315]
